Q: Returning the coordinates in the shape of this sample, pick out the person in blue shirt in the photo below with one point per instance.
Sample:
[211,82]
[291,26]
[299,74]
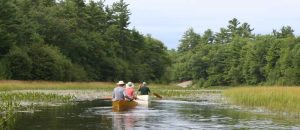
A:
[119,93]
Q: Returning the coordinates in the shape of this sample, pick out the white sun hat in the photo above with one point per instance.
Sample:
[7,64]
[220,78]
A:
[144,83]
[120,82]
[129,84]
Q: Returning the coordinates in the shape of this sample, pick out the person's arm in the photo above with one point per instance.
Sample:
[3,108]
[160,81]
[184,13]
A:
[125,95]
[134,95]
[140,87]
[113,94]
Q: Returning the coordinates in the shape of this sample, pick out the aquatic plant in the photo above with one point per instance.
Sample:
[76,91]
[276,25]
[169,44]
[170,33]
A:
[34,96]
[280,99]
[7,114]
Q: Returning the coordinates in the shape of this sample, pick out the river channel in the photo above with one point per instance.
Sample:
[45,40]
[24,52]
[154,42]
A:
[160,114]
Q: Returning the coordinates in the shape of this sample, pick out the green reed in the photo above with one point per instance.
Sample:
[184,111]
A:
[280,99]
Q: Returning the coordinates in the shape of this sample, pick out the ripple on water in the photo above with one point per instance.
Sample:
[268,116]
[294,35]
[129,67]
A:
[170,115]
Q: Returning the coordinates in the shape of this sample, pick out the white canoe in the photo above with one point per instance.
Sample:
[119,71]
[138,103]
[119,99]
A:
[143,99]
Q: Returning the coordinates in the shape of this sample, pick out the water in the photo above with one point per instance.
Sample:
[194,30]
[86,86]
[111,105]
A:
[161,114]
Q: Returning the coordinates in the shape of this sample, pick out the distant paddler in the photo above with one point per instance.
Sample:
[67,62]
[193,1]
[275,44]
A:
[144,89]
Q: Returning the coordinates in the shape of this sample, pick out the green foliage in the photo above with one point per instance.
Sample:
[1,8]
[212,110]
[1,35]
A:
[48,63]
[234,56]
[7,26]
[71,40]
[4,73]
[20,64]
[189,40]
[45,62]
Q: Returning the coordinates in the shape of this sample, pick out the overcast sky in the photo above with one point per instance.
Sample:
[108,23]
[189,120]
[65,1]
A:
[167,20]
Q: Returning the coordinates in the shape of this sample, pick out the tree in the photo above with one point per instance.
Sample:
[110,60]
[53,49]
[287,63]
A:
[156,57]
[208,36]
[233,27]
[8,25]
[223,36]
[285,31]
[20,64]
[189,40]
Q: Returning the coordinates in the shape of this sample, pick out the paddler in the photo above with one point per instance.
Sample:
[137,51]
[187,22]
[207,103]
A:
[130,90]
[119,93]
[144,89]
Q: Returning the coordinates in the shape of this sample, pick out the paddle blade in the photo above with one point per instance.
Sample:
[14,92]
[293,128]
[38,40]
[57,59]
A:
[106,98]
[157,95]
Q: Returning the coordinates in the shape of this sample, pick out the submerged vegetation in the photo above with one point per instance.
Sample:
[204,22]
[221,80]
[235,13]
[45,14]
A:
[10,103]
[34,97]
[280,99]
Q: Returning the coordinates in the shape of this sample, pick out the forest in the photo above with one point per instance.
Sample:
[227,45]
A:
[72,40]
[236,56]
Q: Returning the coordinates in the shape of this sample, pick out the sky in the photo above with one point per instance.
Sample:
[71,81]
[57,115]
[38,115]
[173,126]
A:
[167,20]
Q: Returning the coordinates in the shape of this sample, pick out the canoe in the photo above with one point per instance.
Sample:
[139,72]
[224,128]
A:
[143,99]
[123,105]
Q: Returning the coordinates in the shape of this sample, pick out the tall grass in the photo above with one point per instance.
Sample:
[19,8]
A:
[33,85]
[281,99]
[35,97]
[38,85]
[165,90]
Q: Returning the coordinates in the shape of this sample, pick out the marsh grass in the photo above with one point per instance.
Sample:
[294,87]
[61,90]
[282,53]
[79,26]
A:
[166,90]
[35,97]
[6,85]
[44,85]
[7,114]
[10,103]
[178,93]
[278,98]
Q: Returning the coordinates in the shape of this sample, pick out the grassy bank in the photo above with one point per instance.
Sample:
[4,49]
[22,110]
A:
[6,85]
[44,85]
[165,90]
[280,99]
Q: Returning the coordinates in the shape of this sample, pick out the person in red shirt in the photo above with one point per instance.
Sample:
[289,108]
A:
[130,90]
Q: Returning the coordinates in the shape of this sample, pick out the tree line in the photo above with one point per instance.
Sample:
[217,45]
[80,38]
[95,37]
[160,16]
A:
[70,40]
[237,56]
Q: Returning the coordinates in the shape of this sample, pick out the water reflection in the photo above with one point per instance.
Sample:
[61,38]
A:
[123,121]
[162,114]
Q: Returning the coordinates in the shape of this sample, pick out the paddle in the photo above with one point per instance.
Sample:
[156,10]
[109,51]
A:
[106,98]
[157,95]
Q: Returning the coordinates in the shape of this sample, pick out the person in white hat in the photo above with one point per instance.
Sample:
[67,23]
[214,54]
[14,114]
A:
[130,90]
[119,92]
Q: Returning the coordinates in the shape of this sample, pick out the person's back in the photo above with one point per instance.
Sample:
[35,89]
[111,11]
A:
[144,90]
[130,92]
[119,92]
